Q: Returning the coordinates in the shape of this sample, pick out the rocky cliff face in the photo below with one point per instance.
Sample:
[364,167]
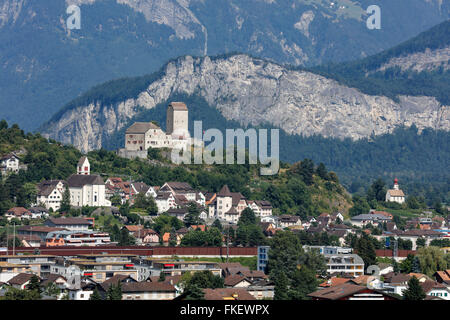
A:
[252,92]
[120,38]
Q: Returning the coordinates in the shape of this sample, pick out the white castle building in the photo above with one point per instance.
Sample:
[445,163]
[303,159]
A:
[144,135]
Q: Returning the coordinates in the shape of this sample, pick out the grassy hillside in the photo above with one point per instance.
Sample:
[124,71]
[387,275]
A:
[297,189]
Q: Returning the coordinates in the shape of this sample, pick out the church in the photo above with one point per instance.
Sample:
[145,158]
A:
[86,189]
[395,194]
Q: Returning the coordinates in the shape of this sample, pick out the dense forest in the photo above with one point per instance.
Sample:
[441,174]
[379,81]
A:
[391,82]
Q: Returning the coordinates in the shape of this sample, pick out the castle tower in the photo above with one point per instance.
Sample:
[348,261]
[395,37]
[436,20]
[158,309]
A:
[83,166]
[177,120]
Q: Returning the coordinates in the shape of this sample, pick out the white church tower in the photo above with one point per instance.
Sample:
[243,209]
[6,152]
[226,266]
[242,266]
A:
[83,166]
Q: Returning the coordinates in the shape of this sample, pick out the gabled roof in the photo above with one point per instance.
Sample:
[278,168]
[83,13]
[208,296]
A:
[224,192]
[37,210]
[252,274]
[429,285]
[20,279]
[227,294]
[162,286]
[233,280]
[141,127]
[232,211]
[81,161]
[46,187]
[396,193]
[69,221]
[115,279]
[8,156]
[178,187]
[17,211]
[236,198]
[338,291]
[333,281]
[133,228]
[140,187]
[80,180]
[39,229]
[51,278]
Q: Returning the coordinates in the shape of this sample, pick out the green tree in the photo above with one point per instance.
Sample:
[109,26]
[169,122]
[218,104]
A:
[407,264]
[366,250]
[420,242]
[173,238]
[432,259]
[414,291]
[65,202]
[162,277]
[321,171]
[247,217]
[193,215]
[95,295]
[360,206]
[217,224]
[281,286]
[152,208]
[114,292]
[377,191]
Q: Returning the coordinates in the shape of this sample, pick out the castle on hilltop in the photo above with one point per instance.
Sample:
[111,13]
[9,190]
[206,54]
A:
[144,135]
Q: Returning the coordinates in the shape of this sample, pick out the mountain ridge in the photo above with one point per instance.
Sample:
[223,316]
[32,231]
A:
[44,64]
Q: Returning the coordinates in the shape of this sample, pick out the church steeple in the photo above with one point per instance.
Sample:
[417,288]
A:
[83,166]
[396,187]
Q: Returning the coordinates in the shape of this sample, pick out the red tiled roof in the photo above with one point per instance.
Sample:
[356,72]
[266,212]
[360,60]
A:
[227,293]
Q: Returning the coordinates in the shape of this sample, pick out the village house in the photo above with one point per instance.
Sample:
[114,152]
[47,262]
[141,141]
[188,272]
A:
[18,213]
[37,231]
[436,289]
[146,237]
[227,206]
[9,163]
[364,219]
[71,224]
[50,193]
[414,234]
[180,189]
[261,208]
[346,263]
[20,281]
[287,221]
[237,281]
[38,212]
[350,291]
[165,201]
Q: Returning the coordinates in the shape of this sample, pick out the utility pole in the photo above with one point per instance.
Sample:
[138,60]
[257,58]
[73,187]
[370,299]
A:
[7,235]
[14,239]
[228,242]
